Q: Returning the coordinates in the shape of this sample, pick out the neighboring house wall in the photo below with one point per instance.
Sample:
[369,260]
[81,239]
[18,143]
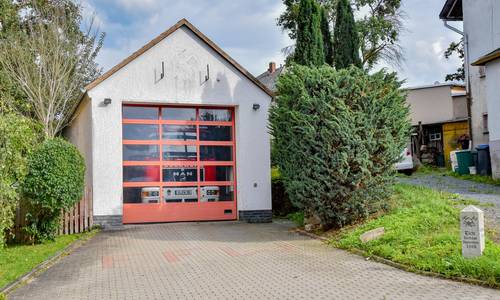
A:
[186,58]
[482,29]
[79,133]
[459,107]
[479,107]
[493,94]
[432,105]
[482,26]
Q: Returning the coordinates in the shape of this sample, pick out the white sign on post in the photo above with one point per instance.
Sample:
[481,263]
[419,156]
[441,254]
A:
[472,228]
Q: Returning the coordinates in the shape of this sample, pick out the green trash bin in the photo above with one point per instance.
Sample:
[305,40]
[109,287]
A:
[464,160]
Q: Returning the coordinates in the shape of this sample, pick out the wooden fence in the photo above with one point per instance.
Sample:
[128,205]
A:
[79,217]
[75,220]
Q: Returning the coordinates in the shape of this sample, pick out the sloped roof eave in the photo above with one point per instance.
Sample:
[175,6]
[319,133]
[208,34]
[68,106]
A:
[164,35]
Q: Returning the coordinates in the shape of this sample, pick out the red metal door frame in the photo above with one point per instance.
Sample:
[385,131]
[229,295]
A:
[173,212]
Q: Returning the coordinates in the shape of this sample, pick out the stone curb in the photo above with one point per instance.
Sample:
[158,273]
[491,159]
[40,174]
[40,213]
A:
[401,266]
[49,262]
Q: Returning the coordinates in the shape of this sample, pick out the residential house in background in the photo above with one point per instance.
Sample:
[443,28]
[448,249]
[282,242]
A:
[439,116]
[481,33]
[270,77]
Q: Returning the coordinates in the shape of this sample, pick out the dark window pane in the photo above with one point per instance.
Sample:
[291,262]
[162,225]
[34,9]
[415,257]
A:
[215,133]
[141,195]
[179,152]
[179,132]
[141,152]
[140,132]
[216,193]
[176,174]
[141,173]
[216,153]
[215,114]
[180,194]
[178,113]
[216,173]
[138,112]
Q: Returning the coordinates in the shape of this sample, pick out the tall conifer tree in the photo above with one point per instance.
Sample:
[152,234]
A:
[345,38]
[327,37]
[309,48]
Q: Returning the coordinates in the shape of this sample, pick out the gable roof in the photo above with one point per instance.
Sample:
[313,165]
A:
[269,79]
[165,34]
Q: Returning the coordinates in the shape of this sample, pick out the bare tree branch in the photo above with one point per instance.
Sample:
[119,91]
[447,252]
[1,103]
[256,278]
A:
[52,62]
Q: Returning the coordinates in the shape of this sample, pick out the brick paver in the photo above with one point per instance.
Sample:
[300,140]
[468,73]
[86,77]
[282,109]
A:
[228,260]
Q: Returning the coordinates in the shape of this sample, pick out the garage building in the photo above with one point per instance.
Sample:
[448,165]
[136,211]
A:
[176,132]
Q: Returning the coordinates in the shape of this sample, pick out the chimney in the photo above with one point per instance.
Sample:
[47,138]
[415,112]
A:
[272,67]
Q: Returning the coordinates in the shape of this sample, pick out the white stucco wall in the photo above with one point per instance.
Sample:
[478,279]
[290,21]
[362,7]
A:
[79,133]
[479,107]
[493,96]
[482,28]
[185,57]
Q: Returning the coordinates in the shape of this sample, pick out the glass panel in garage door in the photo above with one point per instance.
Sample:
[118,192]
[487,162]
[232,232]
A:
[219,115]
[216,193]
[141,195]
[141,152]
[215,133]
[140,132]
[180,194]
[140,113]
[179,132]
[178,113]
[180,174]
[141,173]
[216,173]
[179,152]
[216,153]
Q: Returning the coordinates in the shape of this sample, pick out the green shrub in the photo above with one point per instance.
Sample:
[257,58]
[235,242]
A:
[18,137]
[55,182]
[337,136]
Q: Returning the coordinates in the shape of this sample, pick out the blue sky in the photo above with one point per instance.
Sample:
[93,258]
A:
[247,31]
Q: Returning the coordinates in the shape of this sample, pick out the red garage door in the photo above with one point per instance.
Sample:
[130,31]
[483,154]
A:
[178,164]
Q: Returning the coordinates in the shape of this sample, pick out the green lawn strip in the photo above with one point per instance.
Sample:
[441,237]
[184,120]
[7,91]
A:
[17,260]
[423,233]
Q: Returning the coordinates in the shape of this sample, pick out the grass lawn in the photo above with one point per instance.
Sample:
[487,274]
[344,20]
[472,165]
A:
[422,231]
[20,259]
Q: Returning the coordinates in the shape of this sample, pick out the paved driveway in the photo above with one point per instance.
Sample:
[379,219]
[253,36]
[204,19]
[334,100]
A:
[228,261]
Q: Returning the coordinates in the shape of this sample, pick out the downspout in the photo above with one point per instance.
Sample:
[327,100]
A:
[466,69]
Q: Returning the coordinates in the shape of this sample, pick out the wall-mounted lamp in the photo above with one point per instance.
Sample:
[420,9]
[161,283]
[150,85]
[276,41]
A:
[107,101]
[256,106]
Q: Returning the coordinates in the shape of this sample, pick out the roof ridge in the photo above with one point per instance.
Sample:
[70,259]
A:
[165,34]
